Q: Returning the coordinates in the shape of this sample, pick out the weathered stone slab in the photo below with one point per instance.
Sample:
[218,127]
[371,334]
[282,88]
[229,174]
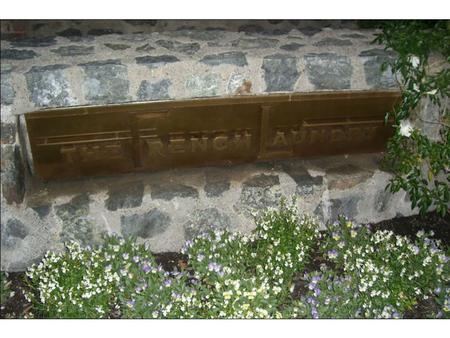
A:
[354,36]
[18,54]
[203,85]
[204,220]
[152,91]
[310,31]
[228,58]
[347,176]
[13,174]
[345,206]
[280,72]
[156,61]
[103,31]
[70,33]
[117,46]
[258,194]
[42,210]
[142,22]
[290,47]
[176,46]
[202,35]
[333,42]
[216,183]
[34,42]
[74,50]
[48,86]
[146,225]
[7,92]
[76,224]
[125,196]
[246,43]
[145,48]
[12,232]
[169,191]
[305,182]
[105,81]
[372,68]
[8,133]
[329,71]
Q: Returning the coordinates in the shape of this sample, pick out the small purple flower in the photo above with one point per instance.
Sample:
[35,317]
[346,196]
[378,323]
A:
[215,267]
[146,268]
[310,300]
[200,257]
[317,278]
[415,249]
[136,259]
[167,282]
[314,313]
[369,227]
[131,303]
[437,290]
[317,292]
[332,254]
[396,315]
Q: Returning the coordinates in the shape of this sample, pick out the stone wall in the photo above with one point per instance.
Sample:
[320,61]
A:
[169,61]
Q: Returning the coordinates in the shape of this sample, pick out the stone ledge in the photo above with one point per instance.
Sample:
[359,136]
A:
[165,208]
[39,73]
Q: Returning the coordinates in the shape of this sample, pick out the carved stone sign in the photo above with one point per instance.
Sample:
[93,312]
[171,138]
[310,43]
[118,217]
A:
[101,140]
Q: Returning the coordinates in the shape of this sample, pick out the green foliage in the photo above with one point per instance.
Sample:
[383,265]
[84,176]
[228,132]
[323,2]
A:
[5,285]
[421,166]
[232,275]
[85,283]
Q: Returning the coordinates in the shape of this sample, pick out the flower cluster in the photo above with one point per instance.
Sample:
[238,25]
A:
[363,274]
[389,273]
[85,282]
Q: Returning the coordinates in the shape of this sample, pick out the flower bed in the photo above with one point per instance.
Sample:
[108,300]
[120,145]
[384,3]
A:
[285,268]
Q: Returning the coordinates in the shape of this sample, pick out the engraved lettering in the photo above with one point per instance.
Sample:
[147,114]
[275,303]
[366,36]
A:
[280,139]
[298,137]
[155,147]
[220,143]
[337,135]
[318,135]
[243,141]
[199,143]
[177,145]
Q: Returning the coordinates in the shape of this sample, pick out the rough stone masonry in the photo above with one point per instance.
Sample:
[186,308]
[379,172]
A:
[82,65]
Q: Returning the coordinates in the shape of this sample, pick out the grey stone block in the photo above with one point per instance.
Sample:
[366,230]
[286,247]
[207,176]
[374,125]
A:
[329,71]
[7,92]
[290,47]
[73,50]
[216,184]
[117,46]
[76,224]
[34,42]
[18,54]
[103,31]
[203,85]
[48,86]
[168,191]
[156,61]
[8,133]
[305,182]
[345,206]
[185,48]
[42,210]
[280,72]
[333,42]
[374,58]
[13,174]
[228,58]
[152,91]
[258,193]
[145,48]
[202,35]
[204,220]
[105,81]
[260,43]
[146,225]
[125,196]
